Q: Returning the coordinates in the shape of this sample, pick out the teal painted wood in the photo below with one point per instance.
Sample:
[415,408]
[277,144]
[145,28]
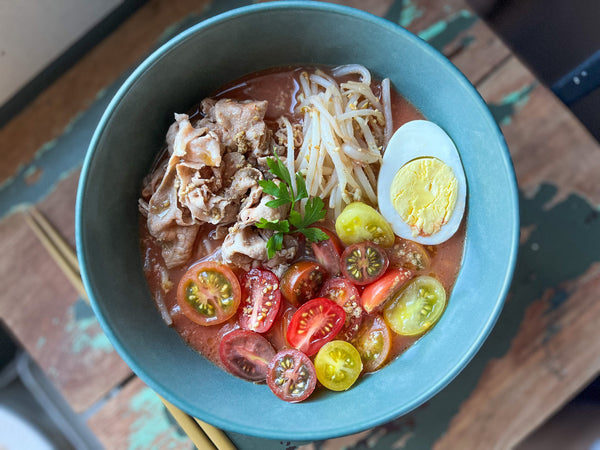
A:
[537,269]
[153,427]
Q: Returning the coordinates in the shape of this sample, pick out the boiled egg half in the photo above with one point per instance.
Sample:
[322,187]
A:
[422,187]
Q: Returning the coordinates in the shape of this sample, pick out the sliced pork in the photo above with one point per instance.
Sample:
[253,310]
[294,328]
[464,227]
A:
[211,177]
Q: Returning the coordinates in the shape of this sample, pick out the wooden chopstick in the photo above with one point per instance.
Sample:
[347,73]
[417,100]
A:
[218,438]
[56,238]
[58,249]
[203,435]
[195,432]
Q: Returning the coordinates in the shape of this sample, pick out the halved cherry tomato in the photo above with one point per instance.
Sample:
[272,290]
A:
[338,365]
[209,293]
[261,300]
[378,293]
[302,281]
[373,342]
[359,222]
[417,307]
[277,333]
[315,323]
[328,253]
[246,354]
[291,376]
[364,262]
[408,254]
[345,294]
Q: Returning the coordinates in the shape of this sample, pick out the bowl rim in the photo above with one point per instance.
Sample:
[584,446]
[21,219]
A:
[296,5]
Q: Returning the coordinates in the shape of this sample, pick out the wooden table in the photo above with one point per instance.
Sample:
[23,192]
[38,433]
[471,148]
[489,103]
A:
[543,350]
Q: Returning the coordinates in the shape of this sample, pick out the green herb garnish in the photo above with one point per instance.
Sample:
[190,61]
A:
[314,210]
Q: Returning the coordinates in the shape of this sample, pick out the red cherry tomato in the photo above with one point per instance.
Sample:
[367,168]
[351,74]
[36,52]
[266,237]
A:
[376,294]
[246,354]
[261,300]
[209,293]
[328,252]
[277,333]
[373,342]
[364,262]
[315,323]
[291,376]
[302,281]
[408,254]
[345,294]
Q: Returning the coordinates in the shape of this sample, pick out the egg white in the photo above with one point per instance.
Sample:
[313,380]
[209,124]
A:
[417,139]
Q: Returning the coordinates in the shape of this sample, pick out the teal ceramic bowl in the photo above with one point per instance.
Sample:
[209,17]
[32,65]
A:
[187,69]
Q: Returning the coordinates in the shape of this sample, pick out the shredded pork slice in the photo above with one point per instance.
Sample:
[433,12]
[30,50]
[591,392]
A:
[241,123]
[246,247]
[169,225]
[218,206]
[243,245]
[211,177]
[256,209]
[174,227]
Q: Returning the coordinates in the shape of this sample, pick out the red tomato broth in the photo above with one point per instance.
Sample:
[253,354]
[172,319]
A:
[279,88]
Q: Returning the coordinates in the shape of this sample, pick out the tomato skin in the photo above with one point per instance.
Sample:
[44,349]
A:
[314,324]
[409,254]
[302,281]
[328,252]
[277,333]
[378,293]
[209,293]
[338,365]
[373,342]
[417,307]
[246,354]
[364,262]
[345,294]
[261,300]
[291,375]
[360,222]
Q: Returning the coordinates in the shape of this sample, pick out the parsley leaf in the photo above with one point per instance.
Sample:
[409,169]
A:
[277,168]
[277,225]
[295,219]
[274,244]
[283,193]
[277,203]
[270,187]
[300,187]
[313,211]
[314,234]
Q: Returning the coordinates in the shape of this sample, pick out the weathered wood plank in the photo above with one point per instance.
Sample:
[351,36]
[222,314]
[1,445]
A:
[52,111]
[49,114]
[552,357]
[556,349]
[453,28]
[43,311]
[137,419]
[543,343]
[547,143]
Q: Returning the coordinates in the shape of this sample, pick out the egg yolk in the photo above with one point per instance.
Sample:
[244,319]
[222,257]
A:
[424,193]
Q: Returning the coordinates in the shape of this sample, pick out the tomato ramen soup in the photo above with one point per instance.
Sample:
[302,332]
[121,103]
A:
[303,224]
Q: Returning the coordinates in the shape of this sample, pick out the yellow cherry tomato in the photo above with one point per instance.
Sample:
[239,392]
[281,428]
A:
[338,365]
[359,222]
[417,307]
